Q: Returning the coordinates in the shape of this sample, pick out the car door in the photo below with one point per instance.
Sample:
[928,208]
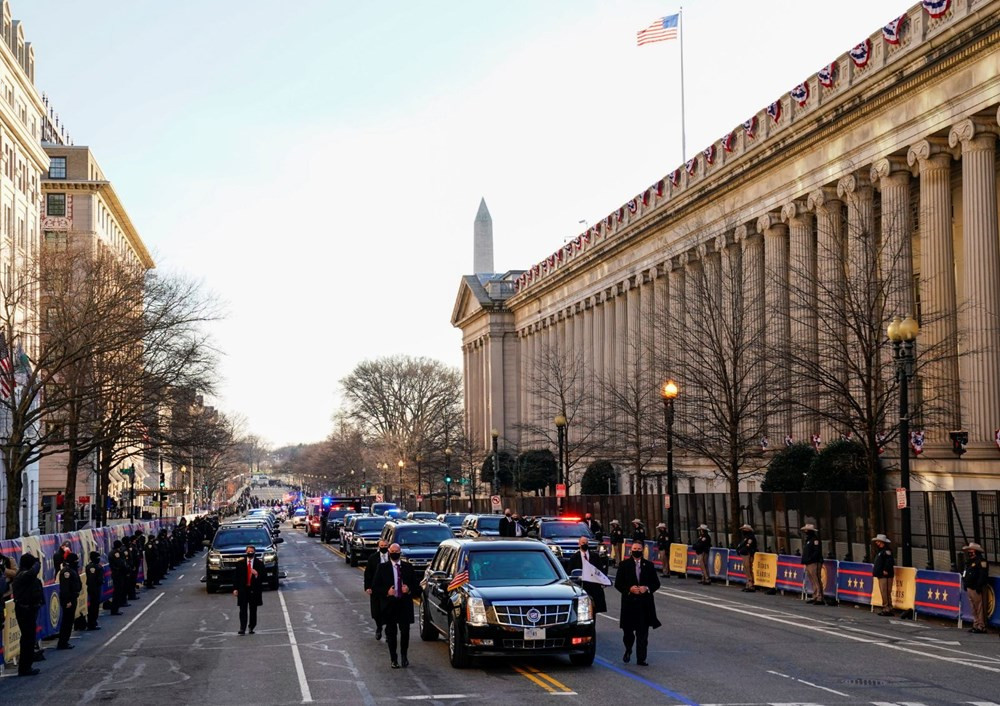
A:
[438,590]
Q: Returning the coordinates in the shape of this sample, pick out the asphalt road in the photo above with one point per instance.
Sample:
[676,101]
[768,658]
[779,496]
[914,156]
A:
[315,643]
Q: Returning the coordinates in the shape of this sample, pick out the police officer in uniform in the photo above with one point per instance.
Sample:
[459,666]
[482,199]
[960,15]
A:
[974,579]
[69,593]
[747,548]
[812,559]
[883,571]
[638,531]
[663,547]
[95,586]
[702,543]
[617,542]
[28,598]
[377,558]
[118,577]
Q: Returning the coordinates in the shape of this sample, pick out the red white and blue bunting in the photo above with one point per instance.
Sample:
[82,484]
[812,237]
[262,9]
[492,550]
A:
[827,75]
[621,214]
[800,94]
[644,196]
[633,205]
[789,440]
[917,442]
[659,187]
[597,231]
[816,441]
[675,177]
[609,221]
[936,8]
[764,443]
[880,439]
[892,32]
[691,165]
[750,127]
[709,154]
[861,53]
[774,110]
[728,141]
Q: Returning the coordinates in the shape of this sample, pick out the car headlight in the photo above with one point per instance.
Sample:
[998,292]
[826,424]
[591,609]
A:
[476,611]
[214,559]
[602,550]
[584,609]
[270,557]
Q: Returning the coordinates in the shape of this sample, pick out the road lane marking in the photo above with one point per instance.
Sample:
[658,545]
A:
[652,685]
[131,622]
[828,630]
[609,617]
[808,683]
[555,682]
[527,675]
[296,657]
[180,577]
[435,697]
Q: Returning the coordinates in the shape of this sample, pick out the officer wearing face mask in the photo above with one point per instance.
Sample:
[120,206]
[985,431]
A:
[249,582]
[589,557]
[396,584]
[637,582]
[28,598]
[379,557]
[70,586]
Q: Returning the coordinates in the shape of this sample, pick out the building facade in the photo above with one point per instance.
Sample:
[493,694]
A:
[895,139]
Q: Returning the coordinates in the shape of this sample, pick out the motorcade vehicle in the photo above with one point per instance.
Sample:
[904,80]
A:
[229,546]
[313,524]
[364,538]
[481,526]
[395,513]
[454,520]
[418,540]
[562,536]
[378,509]
[299,518]
[505,597]
[347,529]
[421,515]
[335,520]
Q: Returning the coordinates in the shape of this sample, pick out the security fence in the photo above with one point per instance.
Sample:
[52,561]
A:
[942,521]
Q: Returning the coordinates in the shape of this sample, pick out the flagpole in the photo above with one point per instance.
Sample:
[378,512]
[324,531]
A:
[680,33]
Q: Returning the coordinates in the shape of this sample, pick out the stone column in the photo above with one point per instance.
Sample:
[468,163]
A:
[622,342]
[634,355]
[981,365]
[661,326]
[536,371]
[597,344]
[467,387]
[610,332]
[693,286]
[938,296]
[676,325]
[891,176]
[752,252]
[777,333]
[587,348]
[647,326]
[859,252]
[803,334]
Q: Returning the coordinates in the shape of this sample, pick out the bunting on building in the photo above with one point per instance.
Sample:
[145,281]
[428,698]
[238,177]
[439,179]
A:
[917,442]
[691,165]
[675,177]
[827,75]
[816,441]
[936,8]
[610,220]
[645,197]
[774,110]
[659,187]
[800,94]
[709,154]
[789,439]
[893,31]
[750,127]
[764,443]
[880,442]
[861,53]
[633,205]
[728,141]
[621,214]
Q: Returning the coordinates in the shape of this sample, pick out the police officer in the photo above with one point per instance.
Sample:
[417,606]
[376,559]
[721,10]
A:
[812,559]
[95,586]
[617,542]
[118,577]
[974,579]
[702,543]
[883,571]
[131,552]
[28,598]
[747,548]
[663,546]
[150,578]
[638,531]
[69,593]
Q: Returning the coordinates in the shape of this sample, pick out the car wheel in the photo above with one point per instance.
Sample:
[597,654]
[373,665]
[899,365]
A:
[211,587]
[347,555]
[428,633]
[273,585]
[354,559]
[587,658]
[457,654]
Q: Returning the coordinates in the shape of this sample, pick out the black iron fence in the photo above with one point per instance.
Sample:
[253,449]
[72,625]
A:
[942,521]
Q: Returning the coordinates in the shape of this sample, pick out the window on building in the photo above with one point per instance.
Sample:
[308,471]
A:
[56,240]
[57,168]
[55,204]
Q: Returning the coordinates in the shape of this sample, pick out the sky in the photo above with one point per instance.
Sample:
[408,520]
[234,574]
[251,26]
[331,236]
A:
[317,164]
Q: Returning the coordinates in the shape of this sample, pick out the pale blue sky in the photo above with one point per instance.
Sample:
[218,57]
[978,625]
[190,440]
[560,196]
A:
[318,163]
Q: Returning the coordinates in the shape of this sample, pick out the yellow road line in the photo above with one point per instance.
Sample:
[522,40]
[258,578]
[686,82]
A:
[548,678]
[532,677]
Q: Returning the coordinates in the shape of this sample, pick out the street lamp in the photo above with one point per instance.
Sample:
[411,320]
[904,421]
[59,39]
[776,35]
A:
[903,335]
[496,463]
[669,392]
[447,479]
[184,493]
[402,465]
[560,421]
[420,499]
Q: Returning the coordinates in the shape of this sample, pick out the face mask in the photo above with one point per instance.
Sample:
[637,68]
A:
[383,550]
[637,555]
[583,547]
[394,556]
[250,555]
[507,514]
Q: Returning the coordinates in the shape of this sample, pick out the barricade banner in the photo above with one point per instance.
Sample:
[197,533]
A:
[653,554]
[693,565]
[51,612]
[989,598]
[765,569]
[938,593]
[736,570]
[11,645]
[649,550]
[718,563]
[678,558]
[854,582]
[791,573]
[87,545]
[904,589]
[46,550]
[829,576]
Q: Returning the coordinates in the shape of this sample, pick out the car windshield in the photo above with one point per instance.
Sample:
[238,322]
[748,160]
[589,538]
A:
[522,568]
[301,512]
[337,514]
[422,516]
[379,508]
[369,524]
[426,535]
[565,530]
[453,520]
[228,539]
[489,522]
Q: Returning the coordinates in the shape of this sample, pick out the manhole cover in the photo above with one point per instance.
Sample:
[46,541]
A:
[866,682]
[897,682]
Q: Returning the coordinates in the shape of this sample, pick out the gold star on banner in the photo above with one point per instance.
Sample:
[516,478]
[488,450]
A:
[944,595]
[930,594]
[937,595]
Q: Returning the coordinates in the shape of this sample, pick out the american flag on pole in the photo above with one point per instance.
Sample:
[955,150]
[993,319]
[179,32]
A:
[661,30]
[6,369]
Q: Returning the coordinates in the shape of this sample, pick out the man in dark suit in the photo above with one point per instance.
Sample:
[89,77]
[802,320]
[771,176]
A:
[377,558]
[395,584]
[507,525]
[249,583]
[594,590]
[637,582]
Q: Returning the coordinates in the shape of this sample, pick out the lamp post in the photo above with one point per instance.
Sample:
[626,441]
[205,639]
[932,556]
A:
[183,492]
[496,463]
[447,479]
[903,335]
[560,422]
[420,501]
[669,392]
[402,464]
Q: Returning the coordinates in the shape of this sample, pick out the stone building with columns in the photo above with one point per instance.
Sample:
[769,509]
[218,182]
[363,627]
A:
[896,138]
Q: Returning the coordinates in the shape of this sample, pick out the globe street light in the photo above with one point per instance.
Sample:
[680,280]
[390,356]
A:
[903,334]
[402,464]
[560,422]
[669,391]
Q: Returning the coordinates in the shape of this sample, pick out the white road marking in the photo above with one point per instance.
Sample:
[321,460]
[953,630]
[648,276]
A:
[435,697]
[609,617]
[808,683]
[180,577]
[131,622]
[828,630]
[299,670]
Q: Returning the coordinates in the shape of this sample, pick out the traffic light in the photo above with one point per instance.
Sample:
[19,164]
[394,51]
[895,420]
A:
[163,480]
[364,486]
[128,471]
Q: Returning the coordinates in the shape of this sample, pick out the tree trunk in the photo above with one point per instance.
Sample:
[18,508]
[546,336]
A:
[73,459]
[734,505]
[13,511]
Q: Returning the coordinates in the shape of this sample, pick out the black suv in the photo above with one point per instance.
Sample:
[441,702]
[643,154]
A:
[418,539]
[562,536]
[230,545]
[334,523]
[364,538]
[517,600]
[481,526]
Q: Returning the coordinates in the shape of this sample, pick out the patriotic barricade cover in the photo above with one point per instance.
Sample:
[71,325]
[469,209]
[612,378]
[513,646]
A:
[831,569]
[917,442]
[727,141]
[774,110]
[936,8]
[791,573]
[800,94]
[938,593]
[736,569]
[693,567]
[709,154]
[750,127]
[893,31]
[827,75]
[718,563]
[854,582]
[992,613]
[861,53]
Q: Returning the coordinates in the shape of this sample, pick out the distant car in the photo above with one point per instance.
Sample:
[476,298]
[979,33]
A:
[335,523]
[229,546]
[395,513]
[378,509]
[347,529]
[481,526]
[453,520]
[313,525]
[421,516]
[299,518]
[562,536]
[417,539]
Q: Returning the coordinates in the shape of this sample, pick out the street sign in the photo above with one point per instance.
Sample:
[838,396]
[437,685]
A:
[378,497]
[420,498]
[666,501]
[560,490]
[495,502]
[85,500]
[900,498]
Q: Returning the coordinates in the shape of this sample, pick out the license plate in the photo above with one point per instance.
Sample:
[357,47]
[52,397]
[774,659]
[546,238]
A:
[534,633]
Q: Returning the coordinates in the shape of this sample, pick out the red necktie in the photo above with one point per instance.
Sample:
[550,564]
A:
[249,569]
